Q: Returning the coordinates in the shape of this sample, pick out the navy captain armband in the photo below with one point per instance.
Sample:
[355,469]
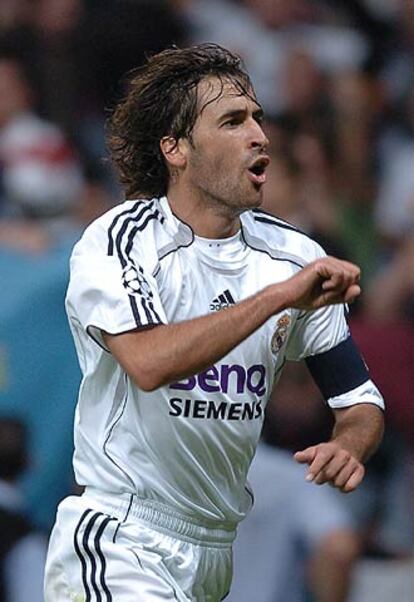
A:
[338,370]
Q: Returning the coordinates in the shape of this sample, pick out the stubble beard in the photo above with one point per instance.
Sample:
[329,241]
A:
[226,194]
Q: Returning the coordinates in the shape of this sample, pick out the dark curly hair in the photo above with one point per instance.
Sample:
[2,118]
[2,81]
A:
[162,101]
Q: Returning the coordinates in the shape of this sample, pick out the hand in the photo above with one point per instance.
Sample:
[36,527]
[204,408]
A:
[331,463]
[323,282]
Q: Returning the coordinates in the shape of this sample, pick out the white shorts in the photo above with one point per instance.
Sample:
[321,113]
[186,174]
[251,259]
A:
[113,547]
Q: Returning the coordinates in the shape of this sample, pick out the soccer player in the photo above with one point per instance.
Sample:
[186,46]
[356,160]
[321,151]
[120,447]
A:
[184,303]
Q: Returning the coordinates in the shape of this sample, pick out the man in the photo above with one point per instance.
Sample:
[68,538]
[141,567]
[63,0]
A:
[184,304]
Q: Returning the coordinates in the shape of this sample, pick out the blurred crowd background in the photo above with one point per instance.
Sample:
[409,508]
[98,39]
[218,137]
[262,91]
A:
[336,80]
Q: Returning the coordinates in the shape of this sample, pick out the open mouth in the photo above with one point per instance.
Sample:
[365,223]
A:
[257,170]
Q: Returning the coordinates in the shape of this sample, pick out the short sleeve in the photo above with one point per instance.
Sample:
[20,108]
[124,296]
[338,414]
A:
[317,331]
[106,294]
[323,339]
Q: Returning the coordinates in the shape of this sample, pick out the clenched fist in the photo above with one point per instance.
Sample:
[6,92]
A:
[323,282]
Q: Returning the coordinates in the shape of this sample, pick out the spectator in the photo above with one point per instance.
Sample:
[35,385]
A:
[395,202]
[390,297]
[77,52]
[22,549]
[41,175]
[265,33]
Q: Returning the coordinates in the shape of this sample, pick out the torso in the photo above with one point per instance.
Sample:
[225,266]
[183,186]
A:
[187,445]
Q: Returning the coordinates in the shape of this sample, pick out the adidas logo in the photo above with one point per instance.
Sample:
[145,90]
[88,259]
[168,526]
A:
[222,301]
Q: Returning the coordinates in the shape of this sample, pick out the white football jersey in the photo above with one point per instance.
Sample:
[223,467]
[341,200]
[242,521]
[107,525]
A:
[187,445]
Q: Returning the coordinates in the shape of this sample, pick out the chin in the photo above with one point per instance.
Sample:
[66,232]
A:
[245,200]
[255,201]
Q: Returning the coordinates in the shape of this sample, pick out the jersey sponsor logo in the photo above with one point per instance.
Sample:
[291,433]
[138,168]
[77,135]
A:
[134,282]
[222,301]
[215,410]
[281,333]
[227,378]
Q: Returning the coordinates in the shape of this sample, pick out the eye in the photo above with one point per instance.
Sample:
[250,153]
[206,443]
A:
[232,122]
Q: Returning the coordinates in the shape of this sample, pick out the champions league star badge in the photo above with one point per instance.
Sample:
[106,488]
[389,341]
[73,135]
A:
[280,334]
[134,281]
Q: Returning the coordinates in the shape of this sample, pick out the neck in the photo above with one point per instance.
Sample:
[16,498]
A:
[207,217]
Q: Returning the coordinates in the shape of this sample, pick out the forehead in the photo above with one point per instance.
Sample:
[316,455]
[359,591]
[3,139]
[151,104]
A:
[216,97]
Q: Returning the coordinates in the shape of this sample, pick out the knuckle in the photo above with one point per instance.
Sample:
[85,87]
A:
[323,457]
[360,471]
[356,465]
[328,448]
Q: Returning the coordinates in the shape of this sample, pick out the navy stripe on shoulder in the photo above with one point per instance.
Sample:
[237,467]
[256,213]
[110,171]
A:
[114,223]
[140,227]
[258,245]
[129,222]
[129,218]
[268,218]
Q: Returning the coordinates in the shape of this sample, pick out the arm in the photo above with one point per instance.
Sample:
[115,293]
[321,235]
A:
[166,353]
[356,435]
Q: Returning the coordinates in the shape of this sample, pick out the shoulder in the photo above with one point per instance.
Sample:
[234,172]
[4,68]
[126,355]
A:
[278,238]
[117,230]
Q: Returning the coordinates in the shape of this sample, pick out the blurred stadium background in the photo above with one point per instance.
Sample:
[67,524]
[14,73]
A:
[336,79]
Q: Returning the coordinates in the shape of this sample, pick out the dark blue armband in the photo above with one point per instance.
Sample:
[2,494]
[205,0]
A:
[338,370]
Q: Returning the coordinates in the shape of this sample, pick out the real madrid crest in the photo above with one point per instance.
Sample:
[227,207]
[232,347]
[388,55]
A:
[281,333]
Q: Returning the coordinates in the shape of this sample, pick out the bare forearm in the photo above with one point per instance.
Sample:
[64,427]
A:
[172,352]
[175,351]
[359,429]
[196,346]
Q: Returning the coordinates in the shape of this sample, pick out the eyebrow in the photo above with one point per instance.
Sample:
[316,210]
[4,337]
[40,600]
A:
[257,114]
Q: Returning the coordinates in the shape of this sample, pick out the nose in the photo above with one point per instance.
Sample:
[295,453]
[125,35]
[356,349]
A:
[258,137]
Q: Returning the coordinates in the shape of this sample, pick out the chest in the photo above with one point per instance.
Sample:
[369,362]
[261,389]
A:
[191,285]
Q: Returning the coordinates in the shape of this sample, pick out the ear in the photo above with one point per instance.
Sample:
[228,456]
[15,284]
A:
[174,151]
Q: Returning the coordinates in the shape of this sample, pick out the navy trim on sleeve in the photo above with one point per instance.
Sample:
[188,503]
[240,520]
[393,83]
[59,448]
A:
[338,370]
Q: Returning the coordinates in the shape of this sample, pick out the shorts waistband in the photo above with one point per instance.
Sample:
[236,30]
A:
[161,517]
